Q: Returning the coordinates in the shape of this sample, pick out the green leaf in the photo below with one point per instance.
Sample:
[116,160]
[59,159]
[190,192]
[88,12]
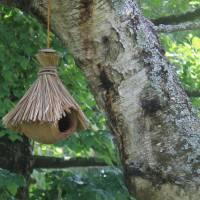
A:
[12,188]
[10,182]
[196,42]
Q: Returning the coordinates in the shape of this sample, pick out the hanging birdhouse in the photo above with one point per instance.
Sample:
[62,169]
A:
[47,113]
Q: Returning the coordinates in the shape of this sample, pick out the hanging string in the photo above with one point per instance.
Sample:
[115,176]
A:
[49,24]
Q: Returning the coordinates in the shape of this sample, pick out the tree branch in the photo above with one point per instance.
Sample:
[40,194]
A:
[176,19]
[193,93]
[179,27]
[17,3]
[53,162]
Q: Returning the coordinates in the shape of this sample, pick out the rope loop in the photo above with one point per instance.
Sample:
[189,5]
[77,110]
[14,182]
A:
[49,24]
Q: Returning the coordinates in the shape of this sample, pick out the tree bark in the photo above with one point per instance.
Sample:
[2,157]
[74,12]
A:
[178,27]
[147,109]
[17,157]
[58,163]
[176,19]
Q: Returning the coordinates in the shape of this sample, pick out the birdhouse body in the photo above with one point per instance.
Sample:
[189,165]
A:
[47,112]
[46,133]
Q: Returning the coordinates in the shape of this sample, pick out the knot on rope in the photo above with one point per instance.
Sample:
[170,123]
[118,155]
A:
[48,70]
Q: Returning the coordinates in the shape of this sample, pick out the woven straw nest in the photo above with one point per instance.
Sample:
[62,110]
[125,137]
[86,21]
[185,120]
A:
[47,112]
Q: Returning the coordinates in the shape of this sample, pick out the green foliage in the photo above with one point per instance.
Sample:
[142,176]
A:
[12,136]
[9,182]
[90,144]
[158,8]
[186,57]
[86,144]
[84,184]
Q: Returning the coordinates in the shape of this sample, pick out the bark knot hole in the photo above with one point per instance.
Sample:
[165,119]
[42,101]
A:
[105,80]
[150,102]
[151,105]
[86,10]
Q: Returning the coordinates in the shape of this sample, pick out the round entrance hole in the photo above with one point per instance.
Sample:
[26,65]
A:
[67,123]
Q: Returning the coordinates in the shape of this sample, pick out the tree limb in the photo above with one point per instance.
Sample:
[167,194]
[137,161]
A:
[176,28]
[53,162]
[176,19]
[25,4]
[193,93]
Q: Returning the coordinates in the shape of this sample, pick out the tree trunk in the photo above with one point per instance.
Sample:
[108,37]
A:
[17,157]
[147,109]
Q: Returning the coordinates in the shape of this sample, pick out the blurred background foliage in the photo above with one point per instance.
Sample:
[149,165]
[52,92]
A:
[154,9]
[21,36]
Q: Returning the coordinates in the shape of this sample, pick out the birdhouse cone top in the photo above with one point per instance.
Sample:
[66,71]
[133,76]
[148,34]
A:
[47,100]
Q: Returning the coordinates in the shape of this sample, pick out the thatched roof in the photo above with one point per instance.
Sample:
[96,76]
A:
[47,100]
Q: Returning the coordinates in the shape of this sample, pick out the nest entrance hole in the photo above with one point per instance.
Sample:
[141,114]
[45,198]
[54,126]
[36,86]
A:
[66,122]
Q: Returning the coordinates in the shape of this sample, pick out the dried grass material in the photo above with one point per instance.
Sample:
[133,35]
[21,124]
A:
[46,102]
